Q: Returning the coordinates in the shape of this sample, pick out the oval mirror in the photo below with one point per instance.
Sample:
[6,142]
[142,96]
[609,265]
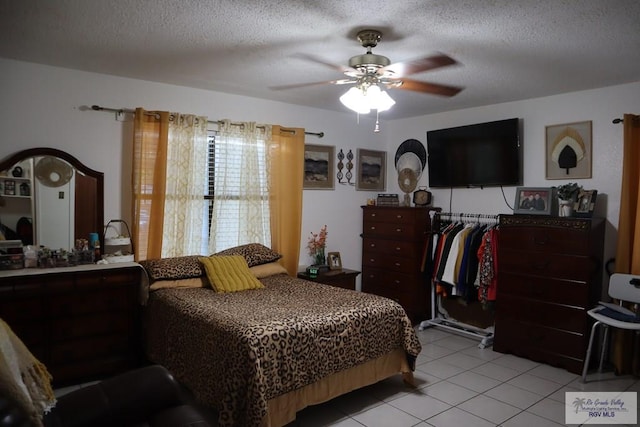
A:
[49,198]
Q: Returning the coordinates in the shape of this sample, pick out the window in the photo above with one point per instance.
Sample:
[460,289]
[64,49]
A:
[237,211]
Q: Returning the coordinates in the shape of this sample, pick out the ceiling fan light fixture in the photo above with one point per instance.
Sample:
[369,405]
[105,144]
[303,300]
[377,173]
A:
[364,99]
[354,99]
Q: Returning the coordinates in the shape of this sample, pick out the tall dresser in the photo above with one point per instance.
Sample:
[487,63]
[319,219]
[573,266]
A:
[393,245]
[82,322]
[549,276]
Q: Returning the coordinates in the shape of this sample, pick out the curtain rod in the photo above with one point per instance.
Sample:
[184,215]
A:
[128,110]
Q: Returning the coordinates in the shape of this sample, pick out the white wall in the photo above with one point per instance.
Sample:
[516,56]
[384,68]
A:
[47,106]
[598,105]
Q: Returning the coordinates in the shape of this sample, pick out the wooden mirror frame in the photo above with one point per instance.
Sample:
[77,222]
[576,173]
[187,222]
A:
[89,192]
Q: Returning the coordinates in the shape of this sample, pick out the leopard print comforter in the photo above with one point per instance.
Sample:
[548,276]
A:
[236,351]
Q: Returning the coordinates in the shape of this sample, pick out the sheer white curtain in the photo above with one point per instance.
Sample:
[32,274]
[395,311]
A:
[185,207]
[241,204]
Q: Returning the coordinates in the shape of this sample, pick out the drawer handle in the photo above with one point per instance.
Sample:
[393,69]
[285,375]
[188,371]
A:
[372,245]
[372,228]
[397,282]
[397,264]
[397,248]
[399,230]
[541,241]
[373,214]
[399,216]
[372,260]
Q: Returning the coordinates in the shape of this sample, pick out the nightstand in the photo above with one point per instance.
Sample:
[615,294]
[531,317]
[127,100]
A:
[344,278]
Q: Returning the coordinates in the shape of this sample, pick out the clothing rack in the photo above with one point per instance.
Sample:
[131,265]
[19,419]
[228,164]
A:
[120,111]
[437,319]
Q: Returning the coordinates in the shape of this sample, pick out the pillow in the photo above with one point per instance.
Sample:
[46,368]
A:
[192,282]
[182,267]
[266,270]
[254,253]
[229,273]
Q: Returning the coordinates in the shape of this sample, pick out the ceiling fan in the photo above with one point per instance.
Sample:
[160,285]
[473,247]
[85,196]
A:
[371,69]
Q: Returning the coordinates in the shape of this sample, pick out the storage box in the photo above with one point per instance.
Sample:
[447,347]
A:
[11,262]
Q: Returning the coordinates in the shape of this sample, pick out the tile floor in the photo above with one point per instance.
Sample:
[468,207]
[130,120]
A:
[460,385]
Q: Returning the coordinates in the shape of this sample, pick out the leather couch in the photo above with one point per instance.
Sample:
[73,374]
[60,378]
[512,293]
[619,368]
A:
[147,396]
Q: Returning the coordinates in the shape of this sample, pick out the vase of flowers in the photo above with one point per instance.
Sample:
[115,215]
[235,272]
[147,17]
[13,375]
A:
[316,246]
[567,194]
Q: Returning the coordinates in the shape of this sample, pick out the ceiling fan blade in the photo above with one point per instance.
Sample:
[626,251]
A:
[318,60]
[299,85]
[432,88]
[406,68]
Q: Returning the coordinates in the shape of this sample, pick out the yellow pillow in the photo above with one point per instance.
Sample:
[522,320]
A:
[229,273]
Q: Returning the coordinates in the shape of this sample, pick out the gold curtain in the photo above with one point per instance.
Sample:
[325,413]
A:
[151,132]
[626,346]
[286,172]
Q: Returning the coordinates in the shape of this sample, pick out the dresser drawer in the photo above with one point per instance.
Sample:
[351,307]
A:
[16,308]
[392,215]
[552,346]
[407,263]
[545,239]
[378,278]
[100,301]
[410,231]
[91,348]
[567,292]
[390,247]
[566,317]
[547,265]
[123,277]
[90,325]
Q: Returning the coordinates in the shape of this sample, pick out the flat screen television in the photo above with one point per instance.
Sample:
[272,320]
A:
[478,155]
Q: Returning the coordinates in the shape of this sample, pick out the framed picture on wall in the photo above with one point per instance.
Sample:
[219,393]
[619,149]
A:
[568,151]
[534,200]
[371,173]
[318,167]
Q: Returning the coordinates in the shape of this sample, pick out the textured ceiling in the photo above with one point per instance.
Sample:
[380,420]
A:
[507,49]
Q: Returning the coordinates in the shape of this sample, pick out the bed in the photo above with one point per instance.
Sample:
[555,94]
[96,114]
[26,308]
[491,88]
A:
[260,355]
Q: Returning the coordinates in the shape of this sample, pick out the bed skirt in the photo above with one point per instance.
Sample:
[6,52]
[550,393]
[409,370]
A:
[282,409]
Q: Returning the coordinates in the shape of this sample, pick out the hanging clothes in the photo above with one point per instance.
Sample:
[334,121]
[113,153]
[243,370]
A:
[465,261]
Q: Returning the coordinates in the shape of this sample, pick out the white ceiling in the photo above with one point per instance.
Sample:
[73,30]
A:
[507,49]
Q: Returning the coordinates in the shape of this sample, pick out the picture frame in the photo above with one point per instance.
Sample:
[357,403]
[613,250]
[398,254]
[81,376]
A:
[372,170]
[9,188]
[319,167]
[535,201]
[334,260]
[568,149]
[585,204]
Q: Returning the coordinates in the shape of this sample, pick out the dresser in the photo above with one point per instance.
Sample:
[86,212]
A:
[344,278]
[393,249]
[549,276]
[82,322]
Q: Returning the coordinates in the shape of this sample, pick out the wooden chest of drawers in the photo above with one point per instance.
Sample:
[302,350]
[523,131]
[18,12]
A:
[393,244]
[81,322]
[549,276]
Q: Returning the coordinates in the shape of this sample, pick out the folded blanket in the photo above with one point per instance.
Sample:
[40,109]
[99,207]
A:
[23,379]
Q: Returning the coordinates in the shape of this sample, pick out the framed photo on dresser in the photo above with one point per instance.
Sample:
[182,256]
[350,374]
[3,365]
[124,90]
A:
[534,200]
